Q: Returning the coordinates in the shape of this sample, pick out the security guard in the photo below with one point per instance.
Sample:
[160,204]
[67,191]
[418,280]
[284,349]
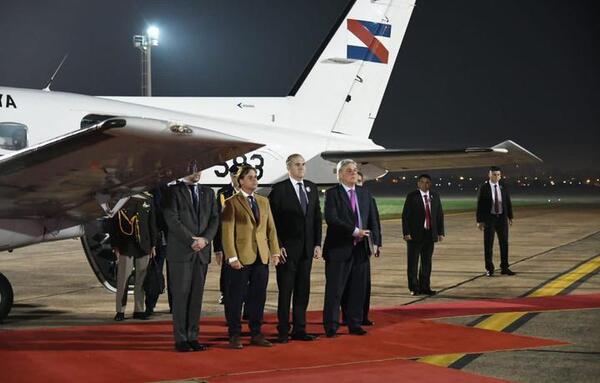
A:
[133,237]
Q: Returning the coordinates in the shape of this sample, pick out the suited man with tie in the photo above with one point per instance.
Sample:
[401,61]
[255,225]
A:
[422,226]
[192,219]
[249,239]
[351,227]
[494,215]
[297,213]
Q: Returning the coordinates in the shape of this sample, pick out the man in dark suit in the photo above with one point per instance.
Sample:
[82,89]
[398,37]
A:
[422,226]
[494,215]
[351,229]
[297,215]
[224,194]
[192,219]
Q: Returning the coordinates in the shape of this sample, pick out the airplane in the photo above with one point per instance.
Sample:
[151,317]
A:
[68,160]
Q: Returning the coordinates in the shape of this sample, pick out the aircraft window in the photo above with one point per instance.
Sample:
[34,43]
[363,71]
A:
[93,119]
[13,136]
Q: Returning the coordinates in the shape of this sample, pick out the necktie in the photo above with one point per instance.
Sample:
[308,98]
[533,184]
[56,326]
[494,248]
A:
[194,191]
[427,213]
[496,202]
[303,198]
[353,204]
[254,208]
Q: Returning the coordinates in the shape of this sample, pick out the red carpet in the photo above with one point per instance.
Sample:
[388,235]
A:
[136,352]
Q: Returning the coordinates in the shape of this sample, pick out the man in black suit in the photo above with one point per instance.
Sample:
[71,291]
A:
[192,219]
[297,215]
[422,226]
[223,194]
[352,228]
[494,215]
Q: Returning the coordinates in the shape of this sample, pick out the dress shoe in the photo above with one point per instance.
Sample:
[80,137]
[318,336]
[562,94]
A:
[331,334]
[357,331]
[303,336]
[414,292]
[283,338]
[429,292]
[235,342]
[195,346]
[259,340]
[119,317]
[182,347]
[367,322]
[489,273]
[149,312]
[507,272]
[140,315]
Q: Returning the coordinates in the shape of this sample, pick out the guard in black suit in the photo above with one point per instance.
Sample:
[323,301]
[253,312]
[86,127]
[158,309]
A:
[192,219]
[352,228]
[494,215]
[422,226]
[297,215]
[223,194]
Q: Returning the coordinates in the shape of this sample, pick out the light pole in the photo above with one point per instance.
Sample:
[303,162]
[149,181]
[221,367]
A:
[145,43]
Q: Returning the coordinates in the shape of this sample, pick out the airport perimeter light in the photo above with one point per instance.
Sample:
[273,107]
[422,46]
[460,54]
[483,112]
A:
[145,43]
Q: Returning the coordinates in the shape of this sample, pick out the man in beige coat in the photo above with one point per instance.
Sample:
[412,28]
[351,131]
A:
[249,239]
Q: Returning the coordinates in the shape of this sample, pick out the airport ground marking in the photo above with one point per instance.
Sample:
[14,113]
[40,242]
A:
[500,321]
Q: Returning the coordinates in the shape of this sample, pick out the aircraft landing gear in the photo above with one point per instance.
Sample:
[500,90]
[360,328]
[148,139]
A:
[6,297]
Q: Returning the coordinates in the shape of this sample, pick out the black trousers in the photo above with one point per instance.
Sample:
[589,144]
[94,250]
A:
[367,304]
[496,224]
[293,280]
[353,274]
[419,277]
[253,279]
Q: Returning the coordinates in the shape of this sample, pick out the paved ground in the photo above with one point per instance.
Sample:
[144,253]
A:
[54,286]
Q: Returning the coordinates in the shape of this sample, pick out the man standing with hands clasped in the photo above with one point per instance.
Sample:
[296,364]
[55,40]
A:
[192,219]
[494,215]
[422,226]
[297,214]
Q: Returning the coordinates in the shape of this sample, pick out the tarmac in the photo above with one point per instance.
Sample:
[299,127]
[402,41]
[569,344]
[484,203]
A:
[554,250]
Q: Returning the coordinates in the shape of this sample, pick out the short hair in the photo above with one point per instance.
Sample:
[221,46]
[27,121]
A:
[424,175]
[243,171]
[288,161]
[495,169]
[342,164]
[360,174]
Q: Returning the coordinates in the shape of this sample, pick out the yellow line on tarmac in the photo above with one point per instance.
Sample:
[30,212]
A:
[500,321]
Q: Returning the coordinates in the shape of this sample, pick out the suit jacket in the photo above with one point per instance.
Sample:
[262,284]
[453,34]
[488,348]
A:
[242,237]
[297,232]
[184,223]
[485,202]
[136,243]
[223,194]
[339,241]
[413,216]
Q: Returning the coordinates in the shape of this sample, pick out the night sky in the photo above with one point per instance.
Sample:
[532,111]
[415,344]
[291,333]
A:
[469,73]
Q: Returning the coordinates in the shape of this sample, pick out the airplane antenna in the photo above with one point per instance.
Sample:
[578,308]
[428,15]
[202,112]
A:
[47,87]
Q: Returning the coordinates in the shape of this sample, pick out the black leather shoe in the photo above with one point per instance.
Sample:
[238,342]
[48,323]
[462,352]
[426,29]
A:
[489,273]
[140,315]
[119,317]
[331,334]
[507,272]
[149,312]
[429,292]
[195,346]
[303,336]
[283,338]
[182,347]
[414,292]
[260,340]
[357,331]
[367,322]
[235,342]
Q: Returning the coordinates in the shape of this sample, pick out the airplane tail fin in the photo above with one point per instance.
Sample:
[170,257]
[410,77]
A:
[342,88]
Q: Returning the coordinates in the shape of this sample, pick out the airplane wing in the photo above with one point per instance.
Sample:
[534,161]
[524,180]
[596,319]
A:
[394,160]
[68,177]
